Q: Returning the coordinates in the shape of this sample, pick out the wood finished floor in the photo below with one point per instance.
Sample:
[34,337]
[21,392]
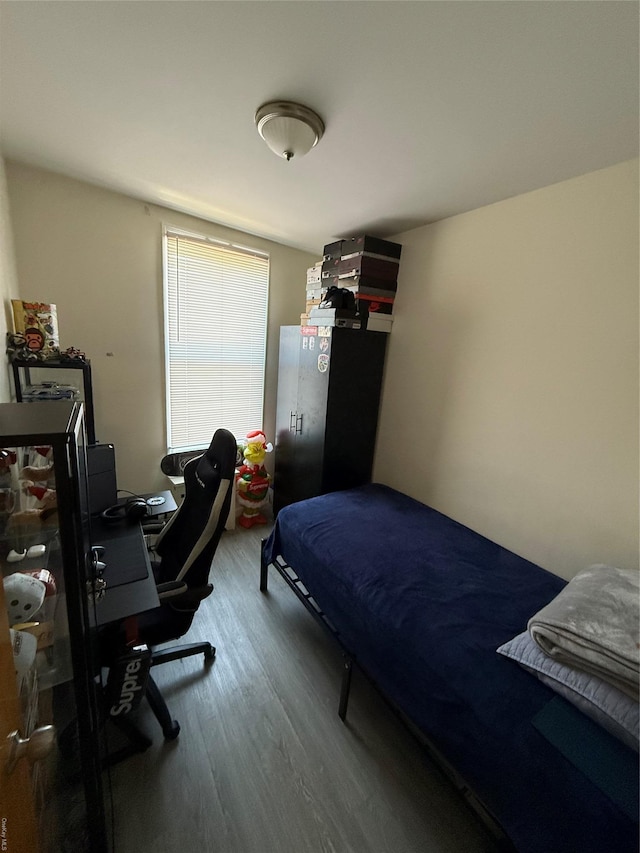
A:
[263,763]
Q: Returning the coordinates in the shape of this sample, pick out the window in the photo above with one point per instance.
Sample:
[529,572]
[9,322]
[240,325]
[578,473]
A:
[215,338]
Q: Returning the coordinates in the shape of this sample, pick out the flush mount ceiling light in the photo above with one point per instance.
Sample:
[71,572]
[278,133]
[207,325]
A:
[290,130]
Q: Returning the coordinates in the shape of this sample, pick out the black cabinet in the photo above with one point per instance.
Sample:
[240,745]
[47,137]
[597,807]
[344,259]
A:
[48,691]
[329,385]
[56,379]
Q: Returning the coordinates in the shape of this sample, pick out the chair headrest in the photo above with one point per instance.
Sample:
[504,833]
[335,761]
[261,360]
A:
[220,456]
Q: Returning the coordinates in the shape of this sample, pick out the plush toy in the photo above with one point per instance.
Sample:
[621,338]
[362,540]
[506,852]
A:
[24,595]
[252,479]
[38,482]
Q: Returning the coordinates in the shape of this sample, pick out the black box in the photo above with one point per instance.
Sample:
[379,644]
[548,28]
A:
[332,250]
[364,284]
[330,268]
[102,483]
[365,265]
[374,245]
[331,281]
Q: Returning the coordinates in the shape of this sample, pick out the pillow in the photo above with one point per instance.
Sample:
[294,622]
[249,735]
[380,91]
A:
[616,712]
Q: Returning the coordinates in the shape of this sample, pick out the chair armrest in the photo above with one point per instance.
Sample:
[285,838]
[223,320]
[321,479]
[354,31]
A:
[182,597]
[190,598]
[171,589]
[152,531]
[152,526]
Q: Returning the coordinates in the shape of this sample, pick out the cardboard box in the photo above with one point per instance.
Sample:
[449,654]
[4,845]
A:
[341,322]
[335,317]
[316,292]
[314,273]
[378,323]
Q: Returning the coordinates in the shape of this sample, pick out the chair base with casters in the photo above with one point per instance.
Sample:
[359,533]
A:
[170,727]
[184,651]
[137,740]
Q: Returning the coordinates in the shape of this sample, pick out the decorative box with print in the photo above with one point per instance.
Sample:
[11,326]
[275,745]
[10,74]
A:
[314,273]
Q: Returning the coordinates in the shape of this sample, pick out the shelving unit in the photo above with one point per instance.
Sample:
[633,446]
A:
[29,373]
[59,802]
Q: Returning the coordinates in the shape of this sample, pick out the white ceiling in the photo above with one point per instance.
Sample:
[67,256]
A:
[431,108]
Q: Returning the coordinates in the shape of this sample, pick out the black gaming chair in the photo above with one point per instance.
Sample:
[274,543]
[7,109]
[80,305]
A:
[181,559]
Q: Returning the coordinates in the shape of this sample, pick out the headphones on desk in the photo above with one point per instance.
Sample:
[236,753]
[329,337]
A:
[134,509]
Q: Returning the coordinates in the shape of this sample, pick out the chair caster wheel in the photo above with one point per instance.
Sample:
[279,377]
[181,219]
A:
[172,732]
[210,654]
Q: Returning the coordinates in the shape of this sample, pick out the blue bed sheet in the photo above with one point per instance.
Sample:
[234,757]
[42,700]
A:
[423,602]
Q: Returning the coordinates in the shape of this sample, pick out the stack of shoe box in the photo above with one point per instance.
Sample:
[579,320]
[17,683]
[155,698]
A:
[315,291]
[368,268]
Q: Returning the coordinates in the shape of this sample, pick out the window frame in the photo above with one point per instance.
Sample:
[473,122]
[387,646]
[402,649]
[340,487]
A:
[169,231]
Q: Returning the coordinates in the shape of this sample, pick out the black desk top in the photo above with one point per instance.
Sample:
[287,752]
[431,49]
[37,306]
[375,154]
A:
[158,503]
[168,504]
[133,588]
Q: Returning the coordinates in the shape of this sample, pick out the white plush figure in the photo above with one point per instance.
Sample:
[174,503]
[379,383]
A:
[24,596]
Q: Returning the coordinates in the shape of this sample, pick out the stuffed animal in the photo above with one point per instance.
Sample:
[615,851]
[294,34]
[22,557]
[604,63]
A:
[24,595]
[38,482]
[252,479]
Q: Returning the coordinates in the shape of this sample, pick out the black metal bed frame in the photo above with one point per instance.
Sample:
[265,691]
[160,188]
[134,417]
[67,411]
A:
[294,583]
[290,577]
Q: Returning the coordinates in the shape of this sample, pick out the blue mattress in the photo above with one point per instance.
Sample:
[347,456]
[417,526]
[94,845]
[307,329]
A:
[423,602]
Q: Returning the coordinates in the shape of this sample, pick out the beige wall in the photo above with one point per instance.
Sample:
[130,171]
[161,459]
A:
[511,389]
[97,255]
[8,279]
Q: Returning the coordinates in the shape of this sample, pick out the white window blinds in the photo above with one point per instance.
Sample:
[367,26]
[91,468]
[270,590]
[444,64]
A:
[215,338]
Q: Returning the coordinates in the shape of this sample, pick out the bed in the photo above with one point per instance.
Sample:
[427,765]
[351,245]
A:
[421,604]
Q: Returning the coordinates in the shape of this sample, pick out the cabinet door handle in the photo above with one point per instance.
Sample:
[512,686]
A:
[33,748]
[96,585]
[292,421]
[298,424]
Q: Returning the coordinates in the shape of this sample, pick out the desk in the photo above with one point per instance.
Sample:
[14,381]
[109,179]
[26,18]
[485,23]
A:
[126,598]
[132,589]
[154,510]
[125,546]
[167,507]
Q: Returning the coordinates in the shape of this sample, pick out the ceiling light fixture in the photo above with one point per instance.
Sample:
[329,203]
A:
[289,129]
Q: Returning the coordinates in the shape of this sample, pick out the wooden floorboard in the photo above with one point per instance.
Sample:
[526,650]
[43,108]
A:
[263,763]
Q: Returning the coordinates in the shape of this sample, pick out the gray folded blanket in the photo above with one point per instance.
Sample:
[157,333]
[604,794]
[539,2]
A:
[593,624]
